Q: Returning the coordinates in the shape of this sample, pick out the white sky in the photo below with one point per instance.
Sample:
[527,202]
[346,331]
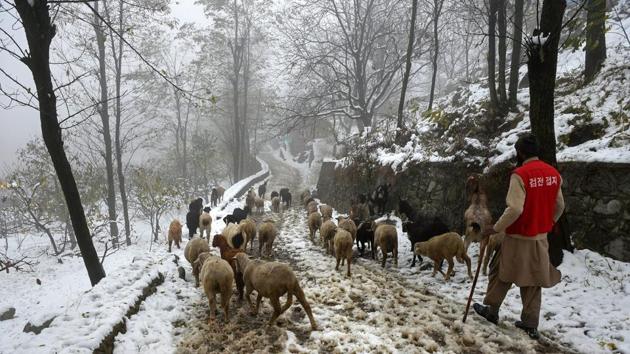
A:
[21,124]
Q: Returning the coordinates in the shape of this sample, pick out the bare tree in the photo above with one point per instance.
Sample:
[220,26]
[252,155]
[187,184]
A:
[103,111]
[403,90]
[39,34]
[502,33]
[436,6]
[595,38]
[344,58]
[517,42]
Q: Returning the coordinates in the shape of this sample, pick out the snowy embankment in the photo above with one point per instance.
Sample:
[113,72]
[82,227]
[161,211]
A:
[589,310]
[83,315]
[592,121]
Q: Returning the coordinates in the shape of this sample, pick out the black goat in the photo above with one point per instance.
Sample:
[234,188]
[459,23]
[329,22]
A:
[192,217]
[419,231]
[237,215]
[214,197]
[405,208]
[378,199]
[274,194]
[285,196]
[365,234]
[262,189]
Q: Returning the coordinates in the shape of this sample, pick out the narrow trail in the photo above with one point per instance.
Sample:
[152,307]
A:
[377,310]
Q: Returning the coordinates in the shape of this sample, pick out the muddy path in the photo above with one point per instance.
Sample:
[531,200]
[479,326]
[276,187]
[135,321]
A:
[376,310]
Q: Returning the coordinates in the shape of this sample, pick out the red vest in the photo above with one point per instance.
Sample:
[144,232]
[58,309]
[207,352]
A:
[542,182]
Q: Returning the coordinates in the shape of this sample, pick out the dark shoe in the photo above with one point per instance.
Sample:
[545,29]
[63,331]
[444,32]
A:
[484,311]
[531,332]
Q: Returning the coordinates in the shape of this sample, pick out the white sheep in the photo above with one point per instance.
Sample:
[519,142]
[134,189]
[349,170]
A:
[343,248]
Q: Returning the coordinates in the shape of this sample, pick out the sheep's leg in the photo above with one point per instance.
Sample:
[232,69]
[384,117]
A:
[275,302]
[343,261]
[177,244]
[349,261]
[395,255]
[299,294]
[289,302]
[447,276]
[384,257]
[260,246]
[225,302]
[240,284]
[213,307]
[258,300]
[248,292]
[467,242]
[467,260]
[170,242]
[435,268]
[413,262]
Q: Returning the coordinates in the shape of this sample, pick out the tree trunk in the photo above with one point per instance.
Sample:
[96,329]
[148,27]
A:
[39,33]
[237,49]
[492,53]
[107,138]
[541,66]
[517,40]
[403,90]
[595,39]
[437,9]
[502,26]
[118,56]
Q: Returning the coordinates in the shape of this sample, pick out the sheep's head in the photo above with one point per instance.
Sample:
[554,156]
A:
[420,248]
[207,209]
[219,241]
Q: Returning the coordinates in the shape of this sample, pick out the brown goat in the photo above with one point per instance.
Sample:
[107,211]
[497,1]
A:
[229,254]
[174,234]
[477,217]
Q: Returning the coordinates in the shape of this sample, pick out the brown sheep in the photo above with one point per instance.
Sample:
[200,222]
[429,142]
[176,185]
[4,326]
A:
[477,217]
[193,249]
[267,233]
[314,223]
[305,196]
[326,211]
[348,225]
[217,277]
[311,207]
[445,246]
[327,233]
[343,248]
[248,226]
[260,205]
[272,280]
[220,192]
[494,243]
[275,204]
[174,234]
[386,237]
[205,224]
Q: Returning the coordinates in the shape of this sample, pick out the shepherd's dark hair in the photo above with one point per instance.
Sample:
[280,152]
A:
[527,145]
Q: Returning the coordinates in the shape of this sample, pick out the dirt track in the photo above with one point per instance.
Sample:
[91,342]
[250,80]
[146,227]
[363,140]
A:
[374,311]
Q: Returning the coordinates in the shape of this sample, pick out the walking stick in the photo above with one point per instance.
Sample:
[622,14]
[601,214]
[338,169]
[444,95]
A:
[472,289]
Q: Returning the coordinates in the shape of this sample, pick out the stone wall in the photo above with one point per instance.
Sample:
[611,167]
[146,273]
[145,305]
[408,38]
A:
[597,196]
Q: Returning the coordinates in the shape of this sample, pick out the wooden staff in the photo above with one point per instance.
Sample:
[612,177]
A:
[472,289]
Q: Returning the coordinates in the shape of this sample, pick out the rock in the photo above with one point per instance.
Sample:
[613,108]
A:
[37,329]
[610,208]
[182,273]
[7,314]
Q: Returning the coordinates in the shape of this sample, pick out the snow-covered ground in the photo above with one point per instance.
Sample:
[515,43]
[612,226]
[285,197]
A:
[396,309]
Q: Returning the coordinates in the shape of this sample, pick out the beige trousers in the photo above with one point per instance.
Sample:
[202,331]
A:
[497,289]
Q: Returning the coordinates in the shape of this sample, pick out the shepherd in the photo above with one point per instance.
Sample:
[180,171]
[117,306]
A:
[534,204]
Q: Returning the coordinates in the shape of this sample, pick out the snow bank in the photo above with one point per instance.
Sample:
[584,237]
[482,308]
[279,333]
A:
[84,321]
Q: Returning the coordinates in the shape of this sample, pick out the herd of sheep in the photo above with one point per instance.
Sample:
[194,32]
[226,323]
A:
[429,237]
[218,274]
